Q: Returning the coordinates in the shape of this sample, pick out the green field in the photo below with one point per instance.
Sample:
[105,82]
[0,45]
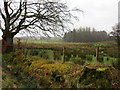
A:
[39,41]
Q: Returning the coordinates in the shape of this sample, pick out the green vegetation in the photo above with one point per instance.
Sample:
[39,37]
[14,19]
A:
[52,66]
[34,72]
[39,41]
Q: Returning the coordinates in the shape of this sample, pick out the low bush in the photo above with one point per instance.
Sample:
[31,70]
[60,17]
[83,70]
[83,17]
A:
[99,76]
[89,57]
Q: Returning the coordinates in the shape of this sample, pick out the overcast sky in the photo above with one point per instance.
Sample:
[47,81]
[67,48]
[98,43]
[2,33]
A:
[100,14]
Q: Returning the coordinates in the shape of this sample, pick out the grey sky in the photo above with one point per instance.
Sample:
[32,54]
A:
[100,14]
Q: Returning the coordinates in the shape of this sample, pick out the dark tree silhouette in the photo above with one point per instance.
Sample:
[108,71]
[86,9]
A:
[44,15]
[85,35]
[116,34]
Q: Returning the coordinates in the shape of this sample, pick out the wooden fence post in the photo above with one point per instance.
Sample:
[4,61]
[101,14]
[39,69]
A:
[63,59]
[97,53]
[18,43]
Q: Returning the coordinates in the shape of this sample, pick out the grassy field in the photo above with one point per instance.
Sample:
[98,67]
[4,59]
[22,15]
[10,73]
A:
[39,41]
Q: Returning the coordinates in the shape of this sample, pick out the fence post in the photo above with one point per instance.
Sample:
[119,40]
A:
[63,59]
[97,53]
[18,43]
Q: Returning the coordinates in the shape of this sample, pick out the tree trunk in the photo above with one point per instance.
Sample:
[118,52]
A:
[7,43]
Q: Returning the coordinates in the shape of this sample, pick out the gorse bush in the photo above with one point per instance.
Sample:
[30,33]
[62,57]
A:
[96,77]
[50,74]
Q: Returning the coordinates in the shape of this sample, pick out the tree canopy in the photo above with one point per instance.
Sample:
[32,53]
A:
[85,35]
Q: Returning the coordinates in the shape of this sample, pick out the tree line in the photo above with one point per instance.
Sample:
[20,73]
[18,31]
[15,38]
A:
[86,34]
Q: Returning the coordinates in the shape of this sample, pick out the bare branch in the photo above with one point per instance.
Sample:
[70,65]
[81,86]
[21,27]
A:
[21,21]
[6,9]
[9,5]
[17,12]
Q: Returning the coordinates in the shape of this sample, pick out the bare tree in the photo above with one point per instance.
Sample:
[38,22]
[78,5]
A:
[42,16]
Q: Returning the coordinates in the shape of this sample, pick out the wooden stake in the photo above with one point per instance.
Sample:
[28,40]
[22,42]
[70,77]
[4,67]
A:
[97,53]
[63,59]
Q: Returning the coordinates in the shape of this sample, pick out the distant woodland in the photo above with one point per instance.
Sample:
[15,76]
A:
[85,35]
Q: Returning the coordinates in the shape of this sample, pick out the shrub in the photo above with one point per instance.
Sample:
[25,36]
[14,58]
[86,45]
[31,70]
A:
[116,64]
[77,60]
[97,76]
[8,58]
[89,57]
[49,74]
